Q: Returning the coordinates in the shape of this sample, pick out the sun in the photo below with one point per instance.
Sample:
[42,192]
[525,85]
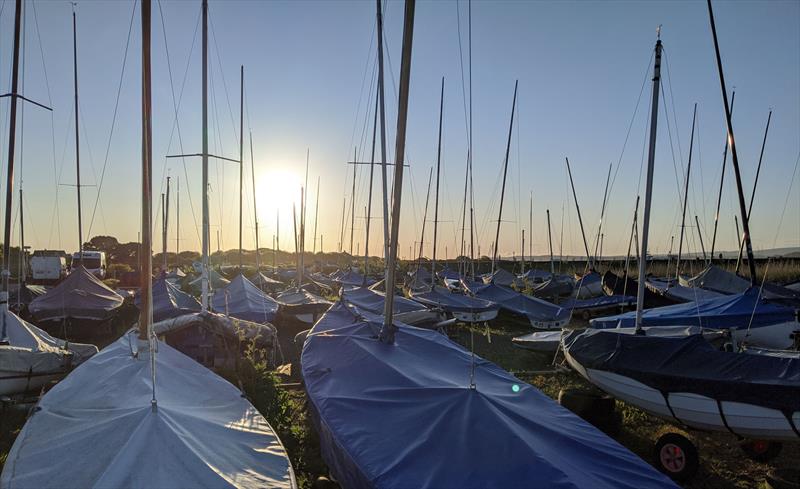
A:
[276,191]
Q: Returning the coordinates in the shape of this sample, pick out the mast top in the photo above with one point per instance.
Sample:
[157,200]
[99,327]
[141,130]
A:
[658,33]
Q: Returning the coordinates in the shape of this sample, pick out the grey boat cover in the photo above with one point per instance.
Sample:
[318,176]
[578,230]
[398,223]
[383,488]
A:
[98,428]
[301,301]
[79,296]
[267,284]
[441,298]
[25,293]
[672,289]
[243,300]
[32,351]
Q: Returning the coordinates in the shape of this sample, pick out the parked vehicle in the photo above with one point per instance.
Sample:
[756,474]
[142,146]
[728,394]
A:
[48,266]
[93,261]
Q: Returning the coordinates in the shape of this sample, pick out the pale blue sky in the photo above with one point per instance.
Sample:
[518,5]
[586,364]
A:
[580,67]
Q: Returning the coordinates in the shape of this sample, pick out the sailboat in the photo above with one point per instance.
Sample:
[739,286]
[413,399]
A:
[399,406]
[683,378]
[140,413]
[29,357]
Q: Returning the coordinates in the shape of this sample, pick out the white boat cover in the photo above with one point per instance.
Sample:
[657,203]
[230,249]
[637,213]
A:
[32,352]
[79,296]
[97,428]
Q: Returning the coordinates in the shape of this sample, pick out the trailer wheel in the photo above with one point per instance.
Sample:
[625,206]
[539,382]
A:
[676,456]
[761,450]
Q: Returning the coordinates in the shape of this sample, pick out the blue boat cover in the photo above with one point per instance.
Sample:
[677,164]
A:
[352,277]
[373,301]
[403,415]
[724,312]
[170,301]
[520,304]
[599,302]
[691,364]
[447,273]
[443,299]
[243,300]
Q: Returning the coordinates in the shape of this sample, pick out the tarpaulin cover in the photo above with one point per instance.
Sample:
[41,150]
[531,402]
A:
[613,284]
[79,296]
[725,282]
[31,351]
[170,301]
[521,304]
[301,301]
[232,329]
[352,277]
[266,283]
[243,300]
[673,290]
[599,302]
[690,364]
[373,301]
[589,285]
[502,277]
[443,299]
[555,287]
[215,280]
[403,415]
[97,428]
[535,276]
[447,273]
[720,313]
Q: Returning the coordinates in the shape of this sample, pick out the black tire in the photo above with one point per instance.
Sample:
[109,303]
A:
[761,450]
[783,479]
[676,456]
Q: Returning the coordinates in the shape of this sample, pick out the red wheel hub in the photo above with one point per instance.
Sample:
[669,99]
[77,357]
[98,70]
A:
[672,458]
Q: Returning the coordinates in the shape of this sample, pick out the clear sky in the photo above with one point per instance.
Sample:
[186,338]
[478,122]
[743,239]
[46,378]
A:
[309,74]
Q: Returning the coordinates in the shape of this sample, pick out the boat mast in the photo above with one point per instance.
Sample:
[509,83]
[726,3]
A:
[700,235]
[721,182]
[77,132]
[580,220]
[22,260]
[755,184]
[206,230]
[436,200]
[165,222]
[550,243]
[241,160]
[316,216]
[388,329]
[505,173]
[522,250]
[369,197]
[146,258]
[530,233]
[734,155]
[648,194]
[178,225]
[602,214]
[424,220]
[685,196]
[379,32]
[255,207]
[353,202]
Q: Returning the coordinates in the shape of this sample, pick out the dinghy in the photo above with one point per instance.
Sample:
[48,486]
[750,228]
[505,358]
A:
[461,307]
[31,358]
[108,425]
[386,412]
[242,299]
[81,304]
[671,289]
[722,281]
[539,341]
[687,380]
[537,312]
[169,301]
[752,319]
[405,310]
[613,284]
[588,308]
[302,305]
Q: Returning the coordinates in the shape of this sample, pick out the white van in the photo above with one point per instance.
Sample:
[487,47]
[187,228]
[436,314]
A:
[48,266]
[93,261]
